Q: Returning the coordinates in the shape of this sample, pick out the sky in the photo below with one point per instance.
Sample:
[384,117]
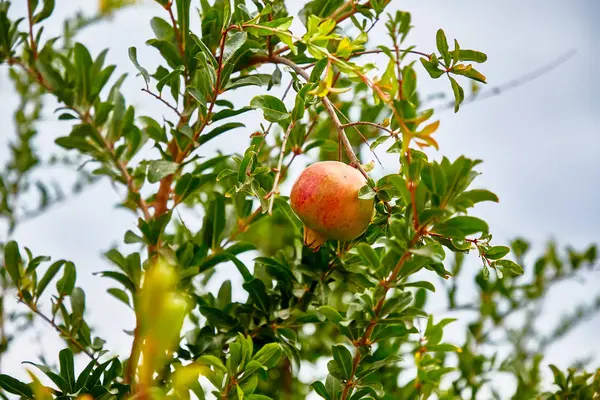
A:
[539,143]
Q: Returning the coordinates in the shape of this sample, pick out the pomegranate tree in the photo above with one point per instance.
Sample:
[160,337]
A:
[325,198]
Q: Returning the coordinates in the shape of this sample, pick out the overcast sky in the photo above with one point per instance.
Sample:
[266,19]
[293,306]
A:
[539,142]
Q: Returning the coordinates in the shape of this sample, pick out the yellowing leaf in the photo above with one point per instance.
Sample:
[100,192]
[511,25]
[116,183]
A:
[428,130]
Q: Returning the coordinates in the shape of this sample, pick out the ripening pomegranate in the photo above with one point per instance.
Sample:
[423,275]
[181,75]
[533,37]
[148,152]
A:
[325,198]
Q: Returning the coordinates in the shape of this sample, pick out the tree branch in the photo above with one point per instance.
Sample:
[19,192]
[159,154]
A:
[274,191]
[386,284]
[354,161]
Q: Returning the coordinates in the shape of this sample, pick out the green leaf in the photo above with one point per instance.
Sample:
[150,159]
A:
[96,374]
[196,95]
[78,302]
[213,361]
[218,219]
[442,46]
[378,141]
[225,173]
[497,252]
[368,255]
[121,278]
[58,380]
[67,367]
[331,314]
[227,113]
[50,74]
[218,131]
[432,250]
[83,63]
[131,238]
[468,225]
[397,303]
[472,55]
[84,375]
[366,193]
[120,295]
[335,370]
[432,67]
[459,93]
[472,197]
[323,144]
[274,110]
[433,177]
[299,108]
[12,261]
[319,388]
[375,366]
[67,283]
[509,265]
[48,275]
[258,293]
[456,53]
[469,72]
[279,271]
[255,396]
[444,347]
[251,80]
[158,169]
[420,284]
[143,71]
[559,377]
[234,360]
[233,44]
[169,78]
[343,358]
[268,355]
[317,71]
[14,386]
[238,390]
[45,12]
[161,28]
[409,82]
[206,51]
[400,185]
[486,272]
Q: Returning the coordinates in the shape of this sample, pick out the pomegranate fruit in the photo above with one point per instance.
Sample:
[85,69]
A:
[325,198]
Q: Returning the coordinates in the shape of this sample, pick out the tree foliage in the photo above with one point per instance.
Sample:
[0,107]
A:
[360,305]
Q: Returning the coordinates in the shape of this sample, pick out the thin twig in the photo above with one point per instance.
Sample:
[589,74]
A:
[275,189]
[61,331]
[159,97]
[359,133]
[377,51]
[354,161]
[373,124]
[85,117]
[354,10]
[169,8]
[268,130]
[32,43]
